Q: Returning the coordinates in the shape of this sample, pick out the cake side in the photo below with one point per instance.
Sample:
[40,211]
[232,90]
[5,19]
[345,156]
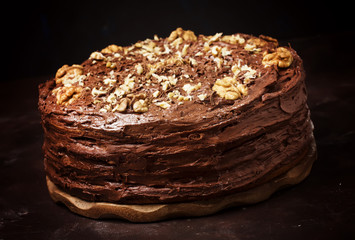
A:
[157,212]
[175,119]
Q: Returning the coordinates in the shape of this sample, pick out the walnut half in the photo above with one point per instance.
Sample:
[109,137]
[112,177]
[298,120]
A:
[186,35]
[140,106]
[67,95]
[112,49]
[121,106]
[229,88]
[281,58]
[68,72]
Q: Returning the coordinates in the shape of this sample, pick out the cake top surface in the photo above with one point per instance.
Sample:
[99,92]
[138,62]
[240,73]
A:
[170,77]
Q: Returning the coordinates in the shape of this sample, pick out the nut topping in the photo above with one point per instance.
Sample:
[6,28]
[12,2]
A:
[140,106]
[184,35]
[111,49]
[67,77]
[256,42]
[67,95]
[169,72]
[269,39]
[229,88]
[66,73]
[189,36]
[233,39]
[121,106]
[281,58]
[139,69]
[188,88]
[97,56]
[162,104]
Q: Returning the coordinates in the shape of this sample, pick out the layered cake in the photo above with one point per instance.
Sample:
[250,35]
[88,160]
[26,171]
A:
[177,120]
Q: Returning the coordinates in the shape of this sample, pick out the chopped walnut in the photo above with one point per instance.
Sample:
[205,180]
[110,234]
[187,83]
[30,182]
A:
[218,61]
[121,106]
[185,35]
[184,50]
[174,94]
[165,85]
[137,96]
[175,34]
[251,47]
[109,81]
[149,47]
[281,58]
[225,52]
[202,97]
[177,60]
[176,43]
[106,108]
[112,98]
[138,45]
[236,69]
[249,72]
[97,56]
[189,36]
[257,42]
[269,39]
[139,69]
[233,39]
[229,88]
[162,104]
[215,37]
[128,84]
[156,93]
[61,71]
[177,95]
[112,49]
[98,92]
[188,88]
[110,65]
[206,47]
[216,50]
[140,106]
[242,89]
[167,50]
[193,62]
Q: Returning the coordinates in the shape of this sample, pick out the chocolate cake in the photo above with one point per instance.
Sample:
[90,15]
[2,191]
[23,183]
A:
[176,120]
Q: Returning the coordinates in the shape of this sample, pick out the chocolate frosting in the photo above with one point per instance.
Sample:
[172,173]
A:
[198,148]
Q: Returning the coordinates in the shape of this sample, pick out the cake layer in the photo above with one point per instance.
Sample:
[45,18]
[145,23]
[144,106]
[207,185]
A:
[175,119]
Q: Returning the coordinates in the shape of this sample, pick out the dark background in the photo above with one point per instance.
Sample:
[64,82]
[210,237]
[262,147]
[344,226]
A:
[41,36]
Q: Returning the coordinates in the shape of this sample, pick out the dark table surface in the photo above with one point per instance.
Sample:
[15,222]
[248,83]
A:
[321,207]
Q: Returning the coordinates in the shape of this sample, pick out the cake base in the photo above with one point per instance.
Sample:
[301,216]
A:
[156,212]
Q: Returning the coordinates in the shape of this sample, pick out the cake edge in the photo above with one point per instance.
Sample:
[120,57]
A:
[158,212]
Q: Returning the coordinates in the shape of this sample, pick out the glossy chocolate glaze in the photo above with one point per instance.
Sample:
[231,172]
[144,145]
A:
[196,150]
